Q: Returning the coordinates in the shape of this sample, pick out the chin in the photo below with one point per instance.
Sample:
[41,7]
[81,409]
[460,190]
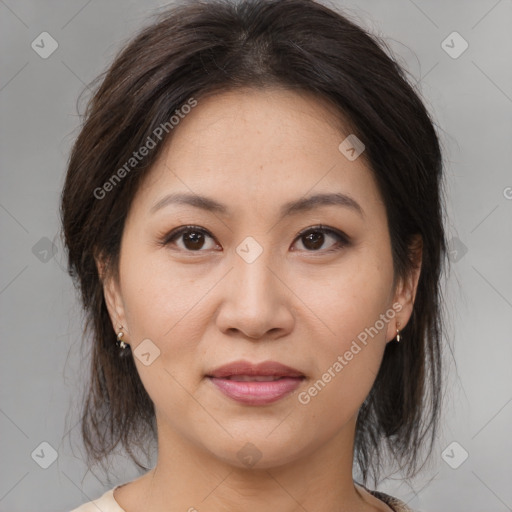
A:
[259,451]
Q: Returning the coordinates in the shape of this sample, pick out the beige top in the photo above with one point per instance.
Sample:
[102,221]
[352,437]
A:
[107,502]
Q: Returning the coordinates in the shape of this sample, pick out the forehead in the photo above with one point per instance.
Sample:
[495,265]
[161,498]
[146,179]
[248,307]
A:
[259,146]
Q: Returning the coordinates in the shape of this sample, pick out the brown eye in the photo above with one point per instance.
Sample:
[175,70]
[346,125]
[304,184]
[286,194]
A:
[192,238]
[314,239]
[196,239]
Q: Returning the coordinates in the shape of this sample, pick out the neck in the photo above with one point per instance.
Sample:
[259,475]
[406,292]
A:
[189,478]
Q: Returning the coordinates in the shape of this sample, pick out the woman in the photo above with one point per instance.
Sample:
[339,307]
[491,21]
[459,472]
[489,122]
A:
[253,213]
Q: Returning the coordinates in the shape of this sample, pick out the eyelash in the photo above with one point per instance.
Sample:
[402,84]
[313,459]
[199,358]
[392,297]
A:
[342,240]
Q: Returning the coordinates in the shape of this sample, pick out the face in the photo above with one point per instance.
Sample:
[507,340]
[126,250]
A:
[308,286]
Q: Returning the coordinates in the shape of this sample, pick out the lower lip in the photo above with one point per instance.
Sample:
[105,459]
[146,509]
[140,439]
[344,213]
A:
[257,393]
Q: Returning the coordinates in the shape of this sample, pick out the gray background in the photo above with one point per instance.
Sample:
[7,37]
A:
[42,366]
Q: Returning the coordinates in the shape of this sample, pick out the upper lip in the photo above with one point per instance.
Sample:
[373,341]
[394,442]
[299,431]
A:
[266,368]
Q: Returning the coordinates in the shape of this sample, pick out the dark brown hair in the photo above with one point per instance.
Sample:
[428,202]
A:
[199,48]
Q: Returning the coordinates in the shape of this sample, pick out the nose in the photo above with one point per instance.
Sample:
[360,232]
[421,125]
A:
[256,300]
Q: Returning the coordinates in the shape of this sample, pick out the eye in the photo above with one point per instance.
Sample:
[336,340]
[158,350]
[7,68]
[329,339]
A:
[192,237]
[195,239]
[314,238]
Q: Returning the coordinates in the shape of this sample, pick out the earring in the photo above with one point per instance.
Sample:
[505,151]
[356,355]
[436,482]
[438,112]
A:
[120,343]
[398,337]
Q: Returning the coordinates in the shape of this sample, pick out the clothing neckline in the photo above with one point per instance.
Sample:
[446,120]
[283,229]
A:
[389,501]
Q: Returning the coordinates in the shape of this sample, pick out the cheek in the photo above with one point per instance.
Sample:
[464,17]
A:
[156,294]
[349,298]
[161,304]
[349,308]
[346,363]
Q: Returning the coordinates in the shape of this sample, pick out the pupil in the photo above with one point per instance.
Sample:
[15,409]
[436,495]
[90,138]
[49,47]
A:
[316,239]
[195,238]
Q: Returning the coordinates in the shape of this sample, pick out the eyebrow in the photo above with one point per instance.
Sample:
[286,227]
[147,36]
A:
[290,208]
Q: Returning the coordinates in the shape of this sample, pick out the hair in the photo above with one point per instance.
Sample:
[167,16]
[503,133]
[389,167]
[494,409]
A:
[195,49]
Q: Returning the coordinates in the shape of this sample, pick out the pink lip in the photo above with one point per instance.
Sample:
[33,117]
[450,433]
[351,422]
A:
[256,392]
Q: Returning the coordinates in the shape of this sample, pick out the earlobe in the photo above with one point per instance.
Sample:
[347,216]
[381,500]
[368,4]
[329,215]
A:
[113,299]
[406,291]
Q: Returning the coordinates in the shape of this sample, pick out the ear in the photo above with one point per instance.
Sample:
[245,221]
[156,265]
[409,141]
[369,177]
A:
[405,292]
[113,296]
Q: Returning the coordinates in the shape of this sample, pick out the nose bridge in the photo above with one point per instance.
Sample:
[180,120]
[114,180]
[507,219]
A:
[255,281]
[254,300]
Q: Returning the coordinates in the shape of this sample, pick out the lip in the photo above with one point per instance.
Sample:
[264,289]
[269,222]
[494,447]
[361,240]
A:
[256,392]
[264,369]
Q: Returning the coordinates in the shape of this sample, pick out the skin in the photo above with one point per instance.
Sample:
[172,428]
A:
[298,304]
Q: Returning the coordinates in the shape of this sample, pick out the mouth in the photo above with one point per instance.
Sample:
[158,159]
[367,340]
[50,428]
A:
[255,378]
[256,384]
[243,369]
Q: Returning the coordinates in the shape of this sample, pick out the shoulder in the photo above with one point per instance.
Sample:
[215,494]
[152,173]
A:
[105,503]
[394,503]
